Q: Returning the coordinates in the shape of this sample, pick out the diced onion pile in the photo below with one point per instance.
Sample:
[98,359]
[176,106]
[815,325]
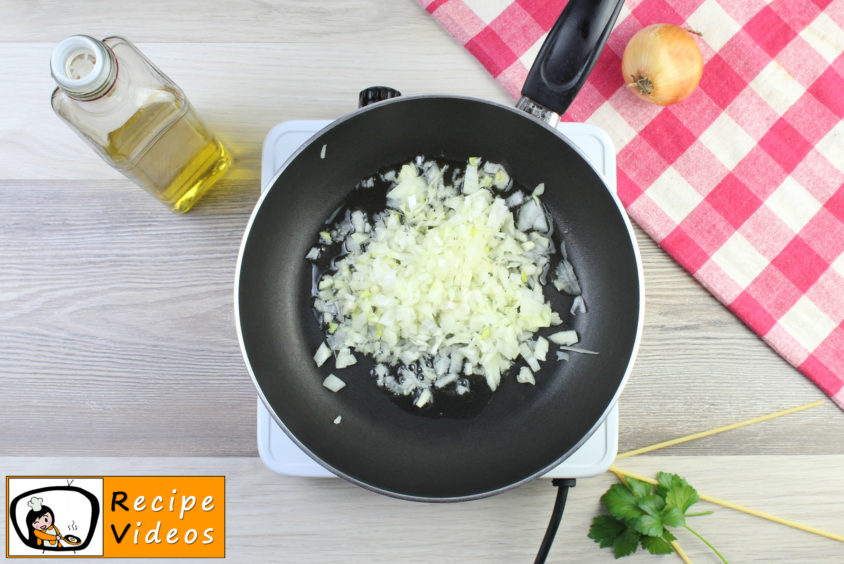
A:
[445,283]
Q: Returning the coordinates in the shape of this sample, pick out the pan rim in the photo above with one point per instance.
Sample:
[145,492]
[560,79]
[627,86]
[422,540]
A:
[479,495]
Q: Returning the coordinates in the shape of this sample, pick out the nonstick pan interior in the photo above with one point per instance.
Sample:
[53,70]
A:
[494,441]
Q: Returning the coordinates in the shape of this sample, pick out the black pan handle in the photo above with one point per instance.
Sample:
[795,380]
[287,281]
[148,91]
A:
[375,94]
[569,53]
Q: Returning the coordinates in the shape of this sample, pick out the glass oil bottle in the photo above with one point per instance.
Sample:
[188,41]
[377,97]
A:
[136,119]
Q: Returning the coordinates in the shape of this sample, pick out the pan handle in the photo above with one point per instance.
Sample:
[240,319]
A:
[567,57]
[375,94]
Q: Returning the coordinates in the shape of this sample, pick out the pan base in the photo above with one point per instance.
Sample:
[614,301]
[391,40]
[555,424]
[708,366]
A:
[282,456]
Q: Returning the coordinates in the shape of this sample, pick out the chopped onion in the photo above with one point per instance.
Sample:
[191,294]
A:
[423,398]
[502,180]
[357,219]
[577,306]
[541,222]
[565,280]
[579,350]
[313,254]
[333,383]
[541,349]
[443,285]
[322,354]
[345,358]
[527,354]
[525,376]
[532,216]
[515,199]
[491,168]
[441,365]
[471,184]
[445,380]
[338,419]
[564,338]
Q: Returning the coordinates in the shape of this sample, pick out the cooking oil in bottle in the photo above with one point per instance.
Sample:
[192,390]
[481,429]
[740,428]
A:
[160,165]
[136,118]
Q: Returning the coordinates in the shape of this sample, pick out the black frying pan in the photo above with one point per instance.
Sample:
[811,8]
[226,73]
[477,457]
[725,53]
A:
[72,540]
[489,441]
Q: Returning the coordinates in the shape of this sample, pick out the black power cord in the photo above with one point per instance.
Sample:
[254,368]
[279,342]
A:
[562,485]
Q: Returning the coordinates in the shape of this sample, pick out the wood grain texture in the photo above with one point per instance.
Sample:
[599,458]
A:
[270,518]
[236,21]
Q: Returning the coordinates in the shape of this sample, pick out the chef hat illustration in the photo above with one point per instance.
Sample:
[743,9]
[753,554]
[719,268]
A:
[35,503]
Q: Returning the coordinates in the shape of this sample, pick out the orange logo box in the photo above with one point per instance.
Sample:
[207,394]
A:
[164,516]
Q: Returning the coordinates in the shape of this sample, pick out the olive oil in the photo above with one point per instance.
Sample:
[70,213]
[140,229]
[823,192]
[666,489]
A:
[136,118]
[159,165]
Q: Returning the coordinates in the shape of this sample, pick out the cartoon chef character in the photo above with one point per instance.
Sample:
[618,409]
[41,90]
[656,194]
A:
[41,525]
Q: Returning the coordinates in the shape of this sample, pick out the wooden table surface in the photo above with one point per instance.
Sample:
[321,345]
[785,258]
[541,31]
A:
[118,351]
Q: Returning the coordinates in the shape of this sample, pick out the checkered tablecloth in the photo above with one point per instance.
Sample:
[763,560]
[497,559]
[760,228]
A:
[743,182]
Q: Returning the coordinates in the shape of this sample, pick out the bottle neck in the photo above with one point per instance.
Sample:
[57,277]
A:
[84,68]
[104,89]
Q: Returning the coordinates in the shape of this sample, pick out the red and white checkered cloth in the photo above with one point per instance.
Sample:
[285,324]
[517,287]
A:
[743,182]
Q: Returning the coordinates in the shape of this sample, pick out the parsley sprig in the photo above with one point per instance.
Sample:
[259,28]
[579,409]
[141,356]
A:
[641,513]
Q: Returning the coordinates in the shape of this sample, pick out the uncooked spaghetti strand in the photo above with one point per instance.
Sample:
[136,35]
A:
[717,430]
[625,474]
[675,545]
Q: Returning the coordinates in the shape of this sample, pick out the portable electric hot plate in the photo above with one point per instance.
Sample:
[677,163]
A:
[283,456]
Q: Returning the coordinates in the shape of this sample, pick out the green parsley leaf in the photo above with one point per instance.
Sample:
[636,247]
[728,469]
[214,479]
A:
[656,545]
[626,544]
[639,488]
[663,482]
[605,530]
[673,517]
[666,481]
[681,497]
[652,505]
[621,503]
[641,514]
[648,525]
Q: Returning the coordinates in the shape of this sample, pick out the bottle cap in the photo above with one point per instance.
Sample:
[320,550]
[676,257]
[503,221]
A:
[82,66]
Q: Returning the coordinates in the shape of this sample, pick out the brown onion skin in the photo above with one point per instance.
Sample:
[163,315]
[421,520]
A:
[662,64]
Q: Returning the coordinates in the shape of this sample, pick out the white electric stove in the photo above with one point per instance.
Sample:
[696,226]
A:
[283,456]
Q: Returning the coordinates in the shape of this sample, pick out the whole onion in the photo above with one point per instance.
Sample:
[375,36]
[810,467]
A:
[662,64]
